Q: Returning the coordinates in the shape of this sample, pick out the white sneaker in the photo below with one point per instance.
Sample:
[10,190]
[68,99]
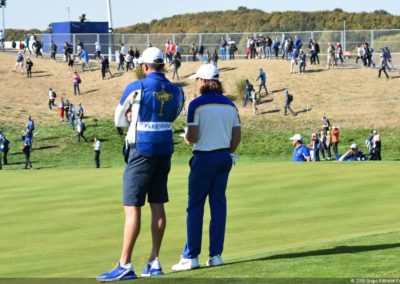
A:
[186,264]
[215,261]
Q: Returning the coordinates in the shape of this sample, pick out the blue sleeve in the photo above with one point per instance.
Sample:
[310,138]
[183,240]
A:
[306,152]
[191,111]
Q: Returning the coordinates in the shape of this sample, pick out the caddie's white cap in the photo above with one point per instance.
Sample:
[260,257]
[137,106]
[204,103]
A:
[354,146]
[206,72]
[296,137]
[152,55]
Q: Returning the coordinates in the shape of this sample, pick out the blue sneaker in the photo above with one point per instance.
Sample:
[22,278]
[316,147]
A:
[119,273]
[153,268]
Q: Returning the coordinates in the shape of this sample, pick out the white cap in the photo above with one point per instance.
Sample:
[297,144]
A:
[152,55]
[296,137]
[354,146]
[206,72]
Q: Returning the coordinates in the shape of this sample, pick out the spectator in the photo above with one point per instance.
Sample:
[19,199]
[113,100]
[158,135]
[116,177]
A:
[369,143]
[275,46]
[2,40]
[26,149]
[207,56]
[293,61]
[176,62]
[30,126]
[129,62]
[26,45]
[353,154]
[222,46]
[20,63]
[72,116]
[328,144]
[263,80]
[98,51]
[61,106]
[136,58]
[76,80]
[80,112]
[97,148]
[71,62]
[322,144]
[249,89]
[331,56]
[314,147]
[254,102]
[67,50]
[53,51]
[335,140]
[201,52]
[80,128]
[288,102]
[339,52]
[121,64]
[4,147]
[38,48]
[300,151]
[268,45]
[384,64]
[326,124]
[29,65]
[360,53]
[377,146]
[214,58]
[52,98]
[215,134]
[105,67]
[67,106]
[85,59]
[194,51]
[232,49]
[303,59]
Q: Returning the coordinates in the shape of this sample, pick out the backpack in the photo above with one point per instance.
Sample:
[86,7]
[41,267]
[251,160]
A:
[290,98]
[83,127]
[54,94]
[177,63]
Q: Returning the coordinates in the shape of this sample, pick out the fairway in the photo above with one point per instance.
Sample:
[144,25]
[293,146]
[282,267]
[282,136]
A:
[284,220]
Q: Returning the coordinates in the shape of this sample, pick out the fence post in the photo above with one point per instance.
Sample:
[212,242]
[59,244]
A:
[123,39]
[148,40]
[372,38]
[200,39]
[73,44]
[312,35]
[173,38]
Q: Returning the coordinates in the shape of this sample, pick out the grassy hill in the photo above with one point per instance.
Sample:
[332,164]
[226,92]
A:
[353,98]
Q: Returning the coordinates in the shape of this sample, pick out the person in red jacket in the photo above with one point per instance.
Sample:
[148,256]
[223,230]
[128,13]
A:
[335,139]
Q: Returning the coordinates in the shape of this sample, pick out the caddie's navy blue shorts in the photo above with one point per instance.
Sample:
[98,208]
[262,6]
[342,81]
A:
[145,175]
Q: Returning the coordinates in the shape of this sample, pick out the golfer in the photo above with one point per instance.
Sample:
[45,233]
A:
[300,152]
[148,107]
[214,129]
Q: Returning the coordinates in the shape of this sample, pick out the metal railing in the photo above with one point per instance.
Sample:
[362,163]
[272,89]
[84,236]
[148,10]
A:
[350,38]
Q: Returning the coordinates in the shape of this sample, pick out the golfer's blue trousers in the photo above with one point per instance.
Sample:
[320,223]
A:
[208,176]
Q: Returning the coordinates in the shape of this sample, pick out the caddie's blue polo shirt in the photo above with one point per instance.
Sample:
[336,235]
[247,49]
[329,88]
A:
[301,153]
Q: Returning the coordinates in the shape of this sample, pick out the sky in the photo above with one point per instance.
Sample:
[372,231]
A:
[26,14]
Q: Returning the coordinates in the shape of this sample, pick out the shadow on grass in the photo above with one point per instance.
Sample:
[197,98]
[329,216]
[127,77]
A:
[315,70]
[304,110]
[331,251]
[118,74]
[227,69]
[40,76]
[45,147]
[90,91]
[270,111]
[49,138]
[265,101]
[277,91]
